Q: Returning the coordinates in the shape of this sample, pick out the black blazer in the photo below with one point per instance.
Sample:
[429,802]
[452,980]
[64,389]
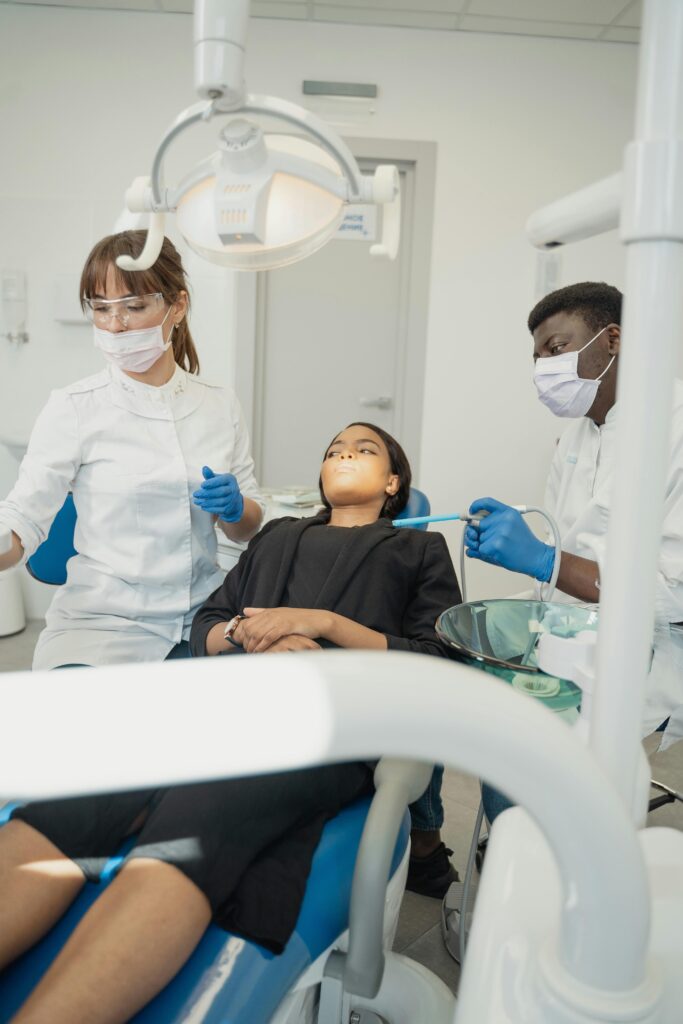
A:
[396,581]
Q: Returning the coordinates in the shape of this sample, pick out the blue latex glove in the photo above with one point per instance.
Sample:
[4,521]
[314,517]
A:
[220,494]
[503,538]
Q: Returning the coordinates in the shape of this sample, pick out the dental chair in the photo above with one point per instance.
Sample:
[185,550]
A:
[348,917]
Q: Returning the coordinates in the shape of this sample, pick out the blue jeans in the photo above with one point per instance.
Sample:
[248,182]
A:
[494,802]
[181,650]
[426,814]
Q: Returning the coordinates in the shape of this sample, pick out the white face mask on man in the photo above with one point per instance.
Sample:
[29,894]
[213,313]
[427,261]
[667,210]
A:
[135,351]
[559,386]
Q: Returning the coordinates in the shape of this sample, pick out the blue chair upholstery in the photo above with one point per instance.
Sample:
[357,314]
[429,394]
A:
[256,982]
[418,505]
[48,563]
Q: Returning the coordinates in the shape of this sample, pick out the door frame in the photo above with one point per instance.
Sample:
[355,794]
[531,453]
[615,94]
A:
[419,158]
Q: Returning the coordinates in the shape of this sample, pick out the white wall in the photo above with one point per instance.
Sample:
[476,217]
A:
[86,94]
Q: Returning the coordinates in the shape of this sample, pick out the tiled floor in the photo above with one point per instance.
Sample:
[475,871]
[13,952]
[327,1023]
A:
[419,928]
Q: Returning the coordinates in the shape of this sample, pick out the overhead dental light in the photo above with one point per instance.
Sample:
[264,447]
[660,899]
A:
[263,200]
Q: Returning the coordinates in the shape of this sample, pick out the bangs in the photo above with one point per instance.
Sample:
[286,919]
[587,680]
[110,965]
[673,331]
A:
[133,282]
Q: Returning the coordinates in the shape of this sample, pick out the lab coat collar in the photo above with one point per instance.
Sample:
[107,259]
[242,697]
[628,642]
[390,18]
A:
[177,398]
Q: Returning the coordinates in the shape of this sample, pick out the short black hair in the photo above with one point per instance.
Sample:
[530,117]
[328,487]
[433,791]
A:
[398,460]
[599,304]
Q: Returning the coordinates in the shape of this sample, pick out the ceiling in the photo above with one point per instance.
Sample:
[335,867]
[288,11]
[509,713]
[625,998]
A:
[616,21]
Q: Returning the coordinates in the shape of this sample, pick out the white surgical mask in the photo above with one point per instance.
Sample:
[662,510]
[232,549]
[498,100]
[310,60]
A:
[133,350]
[559,386]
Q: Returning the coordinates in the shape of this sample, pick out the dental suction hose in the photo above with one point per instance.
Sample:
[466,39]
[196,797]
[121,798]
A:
[293,710]
[476,518]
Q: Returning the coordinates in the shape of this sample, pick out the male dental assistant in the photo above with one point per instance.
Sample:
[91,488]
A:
[577,334]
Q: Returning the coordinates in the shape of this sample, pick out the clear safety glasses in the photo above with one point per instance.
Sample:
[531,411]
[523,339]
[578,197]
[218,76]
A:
[134,311]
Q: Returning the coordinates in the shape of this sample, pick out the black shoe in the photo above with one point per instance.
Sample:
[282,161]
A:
[432,875]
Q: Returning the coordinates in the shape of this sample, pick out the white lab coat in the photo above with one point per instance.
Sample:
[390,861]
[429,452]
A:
[132,455]
[578,495]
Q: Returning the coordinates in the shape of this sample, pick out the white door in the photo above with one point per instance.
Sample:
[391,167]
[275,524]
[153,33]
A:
[330,350]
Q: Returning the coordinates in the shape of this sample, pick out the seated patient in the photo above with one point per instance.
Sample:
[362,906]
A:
[236,851]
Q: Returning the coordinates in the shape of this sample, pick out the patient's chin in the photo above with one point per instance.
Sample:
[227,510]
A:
[345,492]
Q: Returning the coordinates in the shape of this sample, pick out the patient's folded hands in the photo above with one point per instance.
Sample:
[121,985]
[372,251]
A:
[291,628]
[294,642]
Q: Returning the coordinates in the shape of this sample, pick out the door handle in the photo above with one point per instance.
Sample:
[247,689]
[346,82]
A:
[380,402]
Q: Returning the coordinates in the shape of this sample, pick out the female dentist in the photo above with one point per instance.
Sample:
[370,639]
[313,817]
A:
[154,457]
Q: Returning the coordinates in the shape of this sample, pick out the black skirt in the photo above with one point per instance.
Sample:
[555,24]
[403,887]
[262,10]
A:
[247,844]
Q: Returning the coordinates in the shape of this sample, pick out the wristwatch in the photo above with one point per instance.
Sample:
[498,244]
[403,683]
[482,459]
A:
[230,629]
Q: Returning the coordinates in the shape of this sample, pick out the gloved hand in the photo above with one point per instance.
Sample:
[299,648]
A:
[220,494]
[503,538]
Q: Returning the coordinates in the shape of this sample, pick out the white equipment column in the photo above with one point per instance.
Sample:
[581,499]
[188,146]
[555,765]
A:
[652,229]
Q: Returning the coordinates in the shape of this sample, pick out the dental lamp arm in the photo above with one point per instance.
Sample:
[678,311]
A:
[386,190]
[220,33]
[151,249]
[146,194]
[582,214]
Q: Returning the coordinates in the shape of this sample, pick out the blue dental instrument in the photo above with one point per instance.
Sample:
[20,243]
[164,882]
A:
[421,520]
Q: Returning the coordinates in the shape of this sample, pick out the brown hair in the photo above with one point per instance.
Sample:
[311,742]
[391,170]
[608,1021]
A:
[166,276]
